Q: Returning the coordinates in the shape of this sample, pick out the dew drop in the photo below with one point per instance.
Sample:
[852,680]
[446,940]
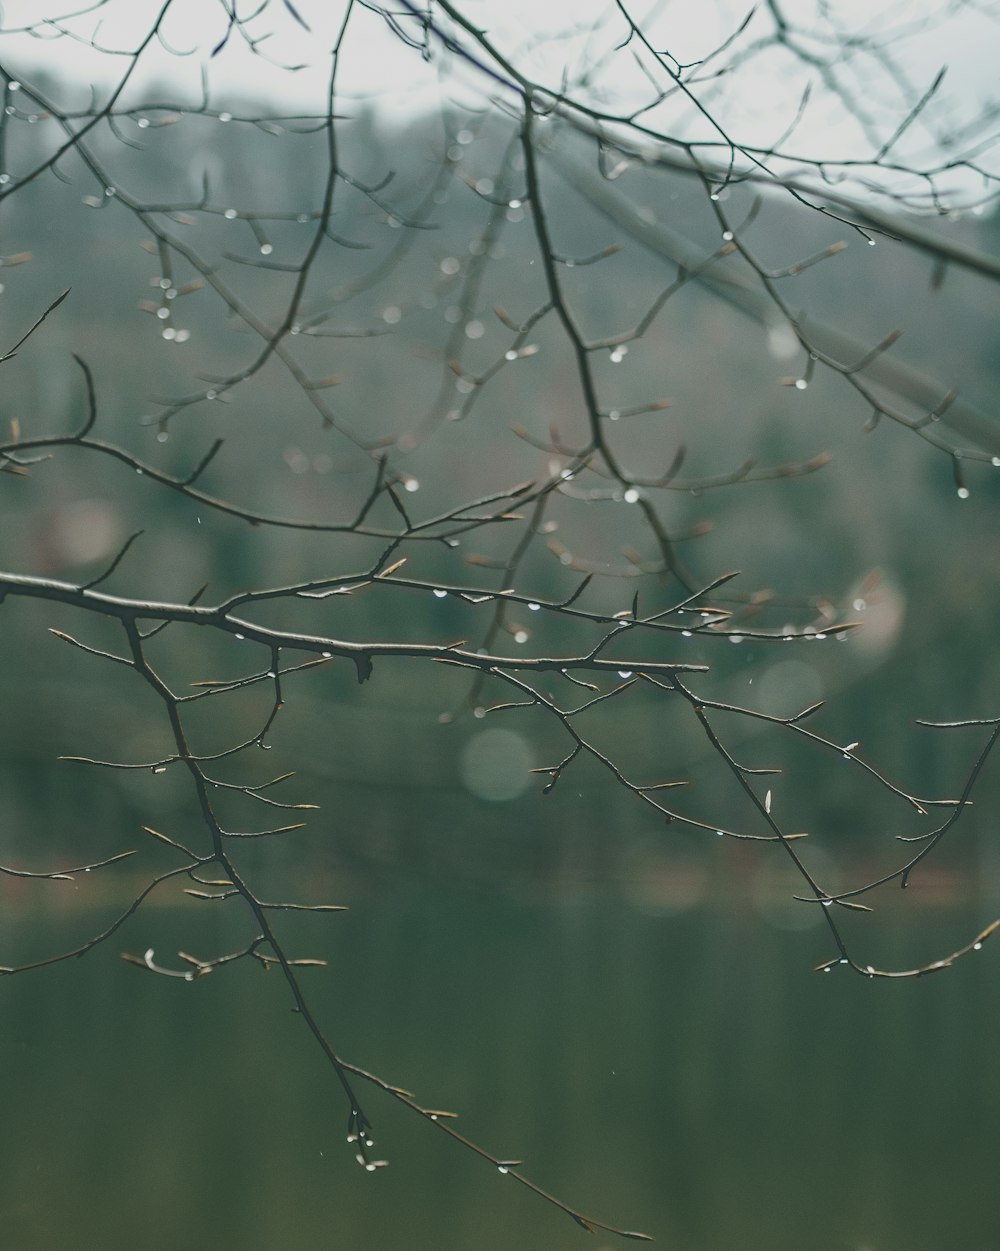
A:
[142,123]
[534,607]
[685,634]
[521,636]
[727,235]
[411,484]
[440,594]
[163,313]
[631,496]
[963,493]
[510,356]
[266,249]
[162,437]
[211,394]
[160,769]
[502,1168]
[225,117]
[624,673]
[871,243]
[479,712]
[239,637]
[995,462]
[326,655]
[736,638]
[618,354]
[721,833]
[800,384]
[230,214]
[977,946]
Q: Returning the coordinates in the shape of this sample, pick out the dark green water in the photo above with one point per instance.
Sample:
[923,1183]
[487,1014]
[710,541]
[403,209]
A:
[683,1073]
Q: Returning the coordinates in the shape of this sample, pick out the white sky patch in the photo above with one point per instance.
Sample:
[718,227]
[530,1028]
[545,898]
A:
[578,43]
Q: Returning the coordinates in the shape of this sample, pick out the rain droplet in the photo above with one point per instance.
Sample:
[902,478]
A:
[502,1168]
[160,769]
[685,634]
[631,496]
[871,243]
[521,636]
[618,354]
[411,484]
[229,214]
[142,123]
[977,946]
[479,713]
[727,235]
[800,384]
[624,673]
[721,833]
[510,356]
[736,638]
[266,249]
[534,607]
[240,637]
[211,394]
[963,493]
[995,462]
[826,902]
[225,117]
[440,594]
[162,437]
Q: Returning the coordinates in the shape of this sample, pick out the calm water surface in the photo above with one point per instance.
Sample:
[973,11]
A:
[678,1070]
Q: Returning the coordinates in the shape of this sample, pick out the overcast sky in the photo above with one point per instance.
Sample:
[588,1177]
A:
[548,39]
